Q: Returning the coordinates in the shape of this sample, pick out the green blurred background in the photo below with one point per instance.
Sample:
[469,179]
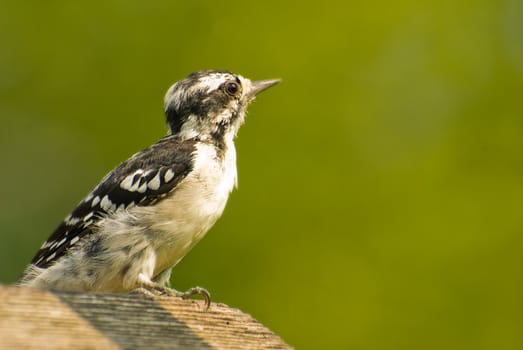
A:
[381,184]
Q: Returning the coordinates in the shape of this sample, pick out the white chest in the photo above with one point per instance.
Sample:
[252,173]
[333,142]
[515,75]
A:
[181,220]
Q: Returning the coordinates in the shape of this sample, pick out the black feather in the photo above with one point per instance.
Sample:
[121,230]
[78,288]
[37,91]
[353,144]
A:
[169,153]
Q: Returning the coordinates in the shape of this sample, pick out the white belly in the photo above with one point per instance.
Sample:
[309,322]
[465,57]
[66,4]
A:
[182,219]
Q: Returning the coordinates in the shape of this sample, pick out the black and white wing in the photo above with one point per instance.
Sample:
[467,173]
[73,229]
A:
[142,180]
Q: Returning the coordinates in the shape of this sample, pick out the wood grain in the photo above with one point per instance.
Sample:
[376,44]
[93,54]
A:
[37,319]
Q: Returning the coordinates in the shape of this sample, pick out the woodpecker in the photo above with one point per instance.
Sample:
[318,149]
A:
[146,214]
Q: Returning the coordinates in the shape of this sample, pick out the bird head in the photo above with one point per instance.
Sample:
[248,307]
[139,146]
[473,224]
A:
[210,104]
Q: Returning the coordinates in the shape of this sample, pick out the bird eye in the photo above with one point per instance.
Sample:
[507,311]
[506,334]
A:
[232,88]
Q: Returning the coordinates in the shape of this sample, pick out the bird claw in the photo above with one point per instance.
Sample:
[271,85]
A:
[146,291]
[152,291]
[197,291]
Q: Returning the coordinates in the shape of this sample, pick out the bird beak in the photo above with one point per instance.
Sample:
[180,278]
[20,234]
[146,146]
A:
[261,85]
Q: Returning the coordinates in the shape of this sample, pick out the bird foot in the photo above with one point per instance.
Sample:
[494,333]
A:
[197,291]
[156,290]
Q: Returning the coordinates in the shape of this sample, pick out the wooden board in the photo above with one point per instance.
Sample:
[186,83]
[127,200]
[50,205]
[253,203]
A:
[38,319]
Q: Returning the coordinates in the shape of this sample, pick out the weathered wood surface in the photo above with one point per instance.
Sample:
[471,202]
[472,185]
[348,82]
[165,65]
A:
[37,319]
